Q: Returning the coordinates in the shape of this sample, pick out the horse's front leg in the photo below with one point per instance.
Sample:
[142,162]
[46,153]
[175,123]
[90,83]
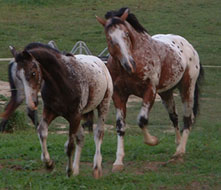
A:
[70,145]
[148,101]
[120,104]
[43,134]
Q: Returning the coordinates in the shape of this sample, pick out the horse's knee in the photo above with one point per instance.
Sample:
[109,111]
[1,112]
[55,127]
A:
[188,121]
[143,116]
[120,127]
[142,121]
[174,119]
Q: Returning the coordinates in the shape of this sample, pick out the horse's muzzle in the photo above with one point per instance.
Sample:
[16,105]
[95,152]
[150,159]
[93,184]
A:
[32,105]
[129,65]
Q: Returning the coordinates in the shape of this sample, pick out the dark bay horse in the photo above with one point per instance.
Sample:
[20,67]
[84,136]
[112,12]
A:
[17,97]
[73,88]
[145,65]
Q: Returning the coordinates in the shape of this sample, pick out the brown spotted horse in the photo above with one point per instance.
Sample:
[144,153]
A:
[73,88]
[145,65]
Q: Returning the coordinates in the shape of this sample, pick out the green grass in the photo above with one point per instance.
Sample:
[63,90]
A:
[66,22]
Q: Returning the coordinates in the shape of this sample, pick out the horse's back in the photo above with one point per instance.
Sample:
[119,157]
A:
[181,46]
[189,56]
[96,67]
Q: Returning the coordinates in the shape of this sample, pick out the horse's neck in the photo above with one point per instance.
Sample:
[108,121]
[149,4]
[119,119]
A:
[141,40]
[53,71]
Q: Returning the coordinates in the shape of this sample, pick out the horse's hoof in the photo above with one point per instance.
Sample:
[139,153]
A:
[97,173]
[117,168]
[49,165]
[152,142]
[175,160]
[69,172]
[75,172]
[178,156]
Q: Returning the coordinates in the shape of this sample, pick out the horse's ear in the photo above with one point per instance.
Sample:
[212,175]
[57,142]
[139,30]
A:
[26,55]
[125,15]
[101,20]
[13,51]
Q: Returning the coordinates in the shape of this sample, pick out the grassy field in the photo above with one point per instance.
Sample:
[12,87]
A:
[66,22]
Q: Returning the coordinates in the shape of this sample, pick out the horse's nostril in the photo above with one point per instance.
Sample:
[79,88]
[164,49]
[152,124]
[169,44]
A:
[128,69]
[133,65]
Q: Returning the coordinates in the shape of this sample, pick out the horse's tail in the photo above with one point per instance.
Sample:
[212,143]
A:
[197,91]
[12,103]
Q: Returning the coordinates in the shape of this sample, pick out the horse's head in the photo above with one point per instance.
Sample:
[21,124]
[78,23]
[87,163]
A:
[29,72]
[120,40]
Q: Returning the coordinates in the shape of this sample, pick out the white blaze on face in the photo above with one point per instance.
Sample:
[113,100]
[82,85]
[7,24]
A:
[117,37]
[28,90]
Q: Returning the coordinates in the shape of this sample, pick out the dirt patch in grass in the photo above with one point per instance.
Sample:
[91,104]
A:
[195,185]
[1,167]
[4,89]
[13,167]
[16,167]
[143,167]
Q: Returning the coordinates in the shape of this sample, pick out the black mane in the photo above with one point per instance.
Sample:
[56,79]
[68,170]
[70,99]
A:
[40,45]
[131,19]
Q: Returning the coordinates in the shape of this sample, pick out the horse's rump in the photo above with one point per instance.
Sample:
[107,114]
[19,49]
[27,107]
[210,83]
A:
[94,80]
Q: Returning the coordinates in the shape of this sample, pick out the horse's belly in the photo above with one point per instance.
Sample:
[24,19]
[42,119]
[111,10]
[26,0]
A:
[170,83]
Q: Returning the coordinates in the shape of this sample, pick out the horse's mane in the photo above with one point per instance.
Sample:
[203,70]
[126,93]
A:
[46,53]
[130,19]
[40,45]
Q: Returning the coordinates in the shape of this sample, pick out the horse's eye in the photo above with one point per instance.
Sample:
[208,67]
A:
[33,74]
[127,34]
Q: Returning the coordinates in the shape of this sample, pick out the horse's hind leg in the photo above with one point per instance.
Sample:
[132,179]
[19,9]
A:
[187,96]
[99,133]
[148,100]
[80,140]
[70,145]
[43,134]
[79,145]
[168,101]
